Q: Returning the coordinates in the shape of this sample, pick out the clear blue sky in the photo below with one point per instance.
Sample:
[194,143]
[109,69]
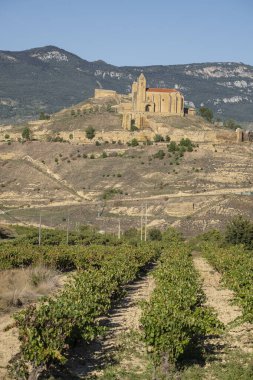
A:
[133,32]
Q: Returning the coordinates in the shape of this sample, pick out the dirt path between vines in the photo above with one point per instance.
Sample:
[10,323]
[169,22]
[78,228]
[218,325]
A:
[124,318]
[220,298]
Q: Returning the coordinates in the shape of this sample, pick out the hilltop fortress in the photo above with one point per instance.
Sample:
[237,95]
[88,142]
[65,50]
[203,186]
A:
[148,101]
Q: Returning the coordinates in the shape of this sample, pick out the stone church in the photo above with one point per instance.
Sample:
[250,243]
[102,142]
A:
[149,101]
[158,101]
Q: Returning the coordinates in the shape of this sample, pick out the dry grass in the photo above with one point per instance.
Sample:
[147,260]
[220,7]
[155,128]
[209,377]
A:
[22,286]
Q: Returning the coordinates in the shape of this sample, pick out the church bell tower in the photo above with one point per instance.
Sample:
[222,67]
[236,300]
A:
[141,93]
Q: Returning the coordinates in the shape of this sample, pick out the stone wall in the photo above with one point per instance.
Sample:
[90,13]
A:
[101,93]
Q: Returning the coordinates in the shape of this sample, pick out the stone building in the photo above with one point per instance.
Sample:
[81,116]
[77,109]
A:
[143,101]
[154,101]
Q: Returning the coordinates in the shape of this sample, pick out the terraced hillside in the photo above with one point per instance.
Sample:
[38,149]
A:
[105,179]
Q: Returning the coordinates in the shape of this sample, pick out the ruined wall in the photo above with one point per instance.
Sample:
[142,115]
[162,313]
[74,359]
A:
[101,93]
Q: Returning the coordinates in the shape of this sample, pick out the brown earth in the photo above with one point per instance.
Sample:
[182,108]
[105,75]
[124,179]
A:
[238,335]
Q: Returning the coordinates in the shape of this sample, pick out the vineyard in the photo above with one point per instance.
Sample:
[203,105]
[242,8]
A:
[47,330]
[176,323]
[235,263]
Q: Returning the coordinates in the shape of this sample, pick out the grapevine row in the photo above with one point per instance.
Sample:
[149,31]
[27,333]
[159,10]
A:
[235,264]
[47,330]
[62,257]
[175,319]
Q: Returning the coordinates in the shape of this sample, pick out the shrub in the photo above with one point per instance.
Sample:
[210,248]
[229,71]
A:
[71,136]
[160,154]
[26,134]
[240,231]
[133,142]
[155,234]
[6,136]
[133,127]
[43,116]
[206,113]
[90,133]
[158,138]
[109,193]
[172,146]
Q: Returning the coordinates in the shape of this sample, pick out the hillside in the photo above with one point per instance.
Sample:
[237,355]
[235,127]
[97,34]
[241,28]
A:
[50,79]
[103,180]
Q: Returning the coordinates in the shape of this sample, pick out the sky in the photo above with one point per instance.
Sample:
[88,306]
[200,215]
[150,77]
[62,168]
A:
[133,32]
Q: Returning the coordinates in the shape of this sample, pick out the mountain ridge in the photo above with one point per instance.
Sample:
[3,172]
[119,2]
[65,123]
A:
[50,78]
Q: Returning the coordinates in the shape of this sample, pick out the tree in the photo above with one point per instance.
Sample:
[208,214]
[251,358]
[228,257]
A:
[44,116]
[187,144]
[26,133]
[155,234]
[133,142]
[240,231]
[172,146]
[158,138]
[206,113]
[90,133]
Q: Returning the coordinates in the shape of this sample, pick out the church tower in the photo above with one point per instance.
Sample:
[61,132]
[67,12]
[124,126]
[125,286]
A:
[141,93]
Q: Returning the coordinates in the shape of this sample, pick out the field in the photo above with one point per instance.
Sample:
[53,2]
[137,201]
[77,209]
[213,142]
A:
[125,308]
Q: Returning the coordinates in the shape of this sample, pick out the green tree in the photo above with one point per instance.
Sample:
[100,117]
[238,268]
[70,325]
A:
[133,142]
[44,116]
[155,234]
[158,138]
[240,231]
[172,146]
[90,133]
[206,113]
[26,134]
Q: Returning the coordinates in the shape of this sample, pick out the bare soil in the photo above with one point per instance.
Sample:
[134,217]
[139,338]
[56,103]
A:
[221,300]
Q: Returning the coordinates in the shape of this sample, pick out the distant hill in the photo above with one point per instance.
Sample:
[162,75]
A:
[50,79]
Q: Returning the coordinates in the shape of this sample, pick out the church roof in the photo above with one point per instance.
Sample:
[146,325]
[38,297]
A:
[161,90]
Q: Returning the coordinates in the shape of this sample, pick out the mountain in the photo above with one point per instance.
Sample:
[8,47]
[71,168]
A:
[50,78]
